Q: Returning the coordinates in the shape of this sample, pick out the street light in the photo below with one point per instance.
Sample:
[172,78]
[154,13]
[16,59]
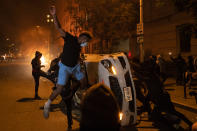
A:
[48,20]
[48,16]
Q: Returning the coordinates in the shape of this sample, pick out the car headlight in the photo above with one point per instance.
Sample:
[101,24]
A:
[108,65]
[114,70]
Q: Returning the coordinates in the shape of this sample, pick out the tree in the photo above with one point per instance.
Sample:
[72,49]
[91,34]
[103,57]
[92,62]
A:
[110,19]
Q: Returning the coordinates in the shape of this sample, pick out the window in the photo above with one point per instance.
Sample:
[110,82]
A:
[184,33]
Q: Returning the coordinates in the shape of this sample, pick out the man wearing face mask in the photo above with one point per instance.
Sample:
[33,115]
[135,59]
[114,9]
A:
[69,64]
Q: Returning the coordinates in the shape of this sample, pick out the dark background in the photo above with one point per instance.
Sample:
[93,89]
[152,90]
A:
[18,15]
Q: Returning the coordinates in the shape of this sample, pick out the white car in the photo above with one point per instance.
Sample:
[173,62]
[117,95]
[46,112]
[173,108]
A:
[114,71]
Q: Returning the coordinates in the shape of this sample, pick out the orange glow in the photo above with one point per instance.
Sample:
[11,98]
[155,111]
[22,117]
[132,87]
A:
[43,60]
[35,40]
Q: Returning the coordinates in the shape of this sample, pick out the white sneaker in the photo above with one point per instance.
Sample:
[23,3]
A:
[46,111]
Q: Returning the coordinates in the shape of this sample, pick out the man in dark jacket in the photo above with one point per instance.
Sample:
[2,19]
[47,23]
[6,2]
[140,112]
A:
[181,68]
[37,72]
[190,66]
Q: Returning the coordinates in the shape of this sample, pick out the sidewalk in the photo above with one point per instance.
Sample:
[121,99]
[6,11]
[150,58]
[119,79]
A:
[177,95]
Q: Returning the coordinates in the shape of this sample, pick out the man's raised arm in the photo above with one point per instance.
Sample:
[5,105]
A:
[56,21]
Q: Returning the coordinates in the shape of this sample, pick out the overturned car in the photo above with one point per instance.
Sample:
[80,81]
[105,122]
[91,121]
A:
[114,71]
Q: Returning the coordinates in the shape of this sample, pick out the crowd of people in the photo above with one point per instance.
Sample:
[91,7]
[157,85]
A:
[161,66]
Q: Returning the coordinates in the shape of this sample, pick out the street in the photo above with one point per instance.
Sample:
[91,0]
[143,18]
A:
[20,112]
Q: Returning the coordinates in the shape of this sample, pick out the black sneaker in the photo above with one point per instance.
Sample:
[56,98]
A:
[70,125]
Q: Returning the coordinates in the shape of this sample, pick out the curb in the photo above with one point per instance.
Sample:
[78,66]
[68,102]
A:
[185,106]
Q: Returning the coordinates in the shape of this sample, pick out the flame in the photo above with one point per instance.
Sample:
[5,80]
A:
[43,60]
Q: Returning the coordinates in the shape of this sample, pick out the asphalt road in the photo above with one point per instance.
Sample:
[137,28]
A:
[20,112]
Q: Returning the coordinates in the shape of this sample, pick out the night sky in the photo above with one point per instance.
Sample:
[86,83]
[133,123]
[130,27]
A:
[19,15]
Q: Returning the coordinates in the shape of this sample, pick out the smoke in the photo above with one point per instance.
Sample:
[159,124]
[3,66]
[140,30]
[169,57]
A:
[19,14]
[34,39]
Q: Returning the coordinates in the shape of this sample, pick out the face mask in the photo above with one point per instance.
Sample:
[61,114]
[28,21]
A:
[84,44]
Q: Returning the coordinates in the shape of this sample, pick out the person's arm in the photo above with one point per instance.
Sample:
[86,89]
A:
[56,21]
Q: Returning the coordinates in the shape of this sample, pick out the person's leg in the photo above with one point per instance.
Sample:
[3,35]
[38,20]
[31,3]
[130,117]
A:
[75,85]
[68,103]
[36,79]
[181,77]
[79,75]
[62,80]
[45,75]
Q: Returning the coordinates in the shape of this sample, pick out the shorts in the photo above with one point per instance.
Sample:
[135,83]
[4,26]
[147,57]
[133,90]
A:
[65,72]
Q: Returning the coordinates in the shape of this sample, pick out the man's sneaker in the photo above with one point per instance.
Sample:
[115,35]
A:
[46,111]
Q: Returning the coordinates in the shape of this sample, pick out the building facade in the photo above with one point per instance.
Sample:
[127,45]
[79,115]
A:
[167,30]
